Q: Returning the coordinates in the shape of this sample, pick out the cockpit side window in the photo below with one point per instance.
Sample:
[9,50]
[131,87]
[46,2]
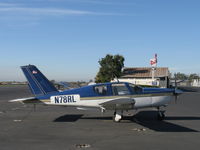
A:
[101,89]
[120,89]
[135,89]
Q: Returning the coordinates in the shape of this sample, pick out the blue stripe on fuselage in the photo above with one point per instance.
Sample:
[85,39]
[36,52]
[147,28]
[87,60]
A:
[157,90]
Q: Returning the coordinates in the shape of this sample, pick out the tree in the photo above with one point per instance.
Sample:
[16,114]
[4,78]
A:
[110,67]
[193,76]
[181,76]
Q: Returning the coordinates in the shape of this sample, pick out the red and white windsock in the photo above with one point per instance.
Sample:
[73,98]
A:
[154,61]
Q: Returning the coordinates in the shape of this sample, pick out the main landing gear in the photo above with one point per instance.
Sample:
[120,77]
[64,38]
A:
[117,116]
[161,114]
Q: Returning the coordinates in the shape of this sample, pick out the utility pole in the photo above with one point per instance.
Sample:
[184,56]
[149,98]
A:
[153,63]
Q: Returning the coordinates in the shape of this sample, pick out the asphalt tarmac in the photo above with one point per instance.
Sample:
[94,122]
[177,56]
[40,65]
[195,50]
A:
[64,128]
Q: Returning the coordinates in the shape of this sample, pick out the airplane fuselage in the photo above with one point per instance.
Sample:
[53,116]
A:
[143,98]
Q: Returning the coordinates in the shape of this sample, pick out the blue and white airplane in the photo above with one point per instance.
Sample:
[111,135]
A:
[116,96]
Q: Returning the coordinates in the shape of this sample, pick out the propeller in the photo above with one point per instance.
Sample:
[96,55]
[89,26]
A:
[176,90]
[182,89]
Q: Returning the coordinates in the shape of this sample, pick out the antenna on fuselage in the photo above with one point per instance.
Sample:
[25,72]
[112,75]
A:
[115,77]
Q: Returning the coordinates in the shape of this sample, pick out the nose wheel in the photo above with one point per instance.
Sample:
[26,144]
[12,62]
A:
[117,116]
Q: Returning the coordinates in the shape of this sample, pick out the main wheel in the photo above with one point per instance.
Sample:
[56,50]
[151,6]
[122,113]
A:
[160,116]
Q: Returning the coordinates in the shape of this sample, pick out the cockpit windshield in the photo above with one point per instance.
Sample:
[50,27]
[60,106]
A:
[135,89]
[120,89]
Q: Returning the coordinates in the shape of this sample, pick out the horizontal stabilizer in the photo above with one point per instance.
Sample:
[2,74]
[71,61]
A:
[24,100]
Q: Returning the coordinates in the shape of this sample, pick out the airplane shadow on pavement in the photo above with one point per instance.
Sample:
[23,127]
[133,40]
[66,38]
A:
[148,119]
[68,118]
[144,118]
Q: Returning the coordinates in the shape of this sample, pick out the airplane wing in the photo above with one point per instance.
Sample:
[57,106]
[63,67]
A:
[119,104]
[25,100]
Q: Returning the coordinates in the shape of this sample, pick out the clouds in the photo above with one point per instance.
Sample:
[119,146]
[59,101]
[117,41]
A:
[45,11]
[8,8]
[92,2]
[101,2]
[7,4]
[18,14]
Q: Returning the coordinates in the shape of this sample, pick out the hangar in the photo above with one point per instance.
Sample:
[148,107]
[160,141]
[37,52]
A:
[143,76]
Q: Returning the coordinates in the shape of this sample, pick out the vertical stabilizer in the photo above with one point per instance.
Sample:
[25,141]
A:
[37,82]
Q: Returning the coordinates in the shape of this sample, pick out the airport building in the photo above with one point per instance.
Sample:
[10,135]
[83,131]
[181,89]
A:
[188,83]
[196,83]
[143,76]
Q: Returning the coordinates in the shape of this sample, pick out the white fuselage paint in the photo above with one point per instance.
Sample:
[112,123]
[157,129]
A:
[140,102]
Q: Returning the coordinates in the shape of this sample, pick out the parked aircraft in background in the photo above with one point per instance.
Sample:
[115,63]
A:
[116,96]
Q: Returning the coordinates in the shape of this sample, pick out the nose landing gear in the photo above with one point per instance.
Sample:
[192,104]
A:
[117,116]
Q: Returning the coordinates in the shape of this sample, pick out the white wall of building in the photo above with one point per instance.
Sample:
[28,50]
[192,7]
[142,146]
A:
[137,81]
[196,82]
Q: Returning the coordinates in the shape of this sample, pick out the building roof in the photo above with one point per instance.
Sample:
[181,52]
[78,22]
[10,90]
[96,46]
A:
[145,72]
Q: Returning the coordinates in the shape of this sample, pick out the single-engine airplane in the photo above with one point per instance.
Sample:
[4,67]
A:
[115,96]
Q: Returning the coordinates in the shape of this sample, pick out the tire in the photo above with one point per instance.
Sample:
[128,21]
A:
[161,116]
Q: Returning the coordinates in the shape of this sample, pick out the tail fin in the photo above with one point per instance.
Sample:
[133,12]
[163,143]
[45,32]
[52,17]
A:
[37,82]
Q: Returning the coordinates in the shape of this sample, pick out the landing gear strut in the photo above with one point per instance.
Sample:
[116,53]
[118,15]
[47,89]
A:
[117,116]
[161,115]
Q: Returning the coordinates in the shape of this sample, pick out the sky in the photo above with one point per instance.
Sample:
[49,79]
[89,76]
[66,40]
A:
[65,39]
